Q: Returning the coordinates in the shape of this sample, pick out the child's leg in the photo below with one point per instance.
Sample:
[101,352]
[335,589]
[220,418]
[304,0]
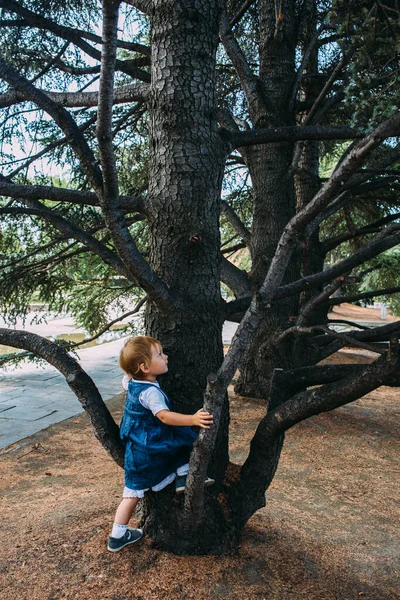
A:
[121,534]
[125,510]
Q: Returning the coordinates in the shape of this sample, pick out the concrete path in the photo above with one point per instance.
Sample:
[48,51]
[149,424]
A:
[33,398]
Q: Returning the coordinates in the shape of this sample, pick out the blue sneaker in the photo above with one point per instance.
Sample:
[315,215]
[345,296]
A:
[130,537]
[180,483]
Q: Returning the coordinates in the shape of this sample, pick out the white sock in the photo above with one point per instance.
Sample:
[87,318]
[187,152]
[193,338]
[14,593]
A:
[118,531]
[183,470]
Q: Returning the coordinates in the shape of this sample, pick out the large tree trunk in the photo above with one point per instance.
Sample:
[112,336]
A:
[186,171]
[274,196]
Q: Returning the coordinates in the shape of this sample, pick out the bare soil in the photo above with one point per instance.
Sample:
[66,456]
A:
[329,530]
[352,312]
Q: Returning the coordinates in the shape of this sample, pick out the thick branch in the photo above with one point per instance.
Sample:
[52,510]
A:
[105,428]
[307,310]
[346,340]
[291,133]
[255,476]
[137,92]
[43,192]
[377,334]
[236,279]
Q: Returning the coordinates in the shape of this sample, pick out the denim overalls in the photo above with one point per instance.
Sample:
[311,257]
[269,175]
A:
[153,450]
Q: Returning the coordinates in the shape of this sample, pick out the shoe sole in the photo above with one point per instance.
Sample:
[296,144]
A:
[125,545]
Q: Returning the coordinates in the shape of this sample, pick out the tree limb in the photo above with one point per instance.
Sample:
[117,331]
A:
[72,231]
[308,308]
[134,92]
[290,133]
[143,5]
[43,192]
[62,118]
[217,385]
[346,340]
[130,256]
[255,475]
[236,279]
[385,240]
[236,222]
[242,11]
[363,296]
[330,244]
[46,149]
[238,59]
[72,35]
[105,428]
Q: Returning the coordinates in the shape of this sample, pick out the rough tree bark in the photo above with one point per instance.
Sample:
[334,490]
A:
[273,187]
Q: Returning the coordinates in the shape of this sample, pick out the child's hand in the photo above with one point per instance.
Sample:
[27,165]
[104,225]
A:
[202,419]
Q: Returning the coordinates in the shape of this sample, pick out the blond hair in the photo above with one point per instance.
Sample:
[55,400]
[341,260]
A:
[136,352]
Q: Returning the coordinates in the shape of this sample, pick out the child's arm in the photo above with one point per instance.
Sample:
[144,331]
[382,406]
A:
[200,419]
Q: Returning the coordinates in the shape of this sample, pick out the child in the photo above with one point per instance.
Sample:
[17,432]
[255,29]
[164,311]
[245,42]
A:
[157,441]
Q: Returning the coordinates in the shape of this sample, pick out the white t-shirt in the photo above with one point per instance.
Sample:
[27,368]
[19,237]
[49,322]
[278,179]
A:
[151,398]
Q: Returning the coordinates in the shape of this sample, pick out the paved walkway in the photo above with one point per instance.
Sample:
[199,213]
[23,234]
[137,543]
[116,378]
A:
[33,398]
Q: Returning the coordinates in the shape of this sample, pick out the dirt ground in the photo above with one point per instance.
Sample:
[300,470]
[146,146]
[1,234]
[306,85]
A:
[352,312]
[329,530]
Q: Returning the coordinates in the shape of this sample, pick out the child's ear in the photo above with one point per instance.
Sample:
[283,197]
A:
[144,368]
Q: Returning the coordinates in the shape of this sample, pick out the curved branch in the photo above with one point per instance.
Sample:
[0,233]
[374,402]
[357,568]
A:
[67,228]
[76,37]
[61,117]
[105,428]
[26,163]
[332,243]
[255,475]
[109,325]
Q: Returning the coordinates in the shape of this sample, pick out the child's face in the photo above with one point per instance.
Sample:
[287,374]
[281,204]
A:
[158,364]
